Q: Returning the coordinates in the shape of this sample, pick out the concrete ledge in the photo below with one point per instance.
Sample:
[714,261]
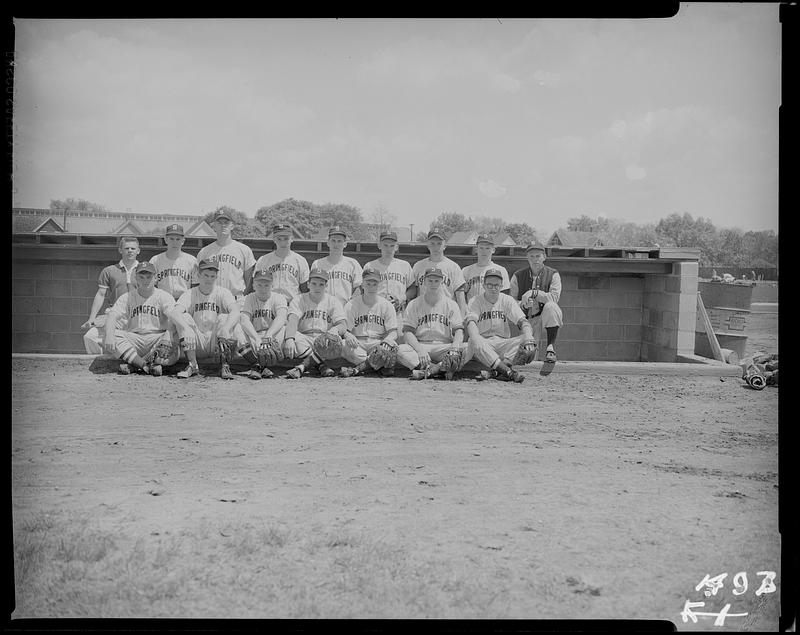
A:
[688,368]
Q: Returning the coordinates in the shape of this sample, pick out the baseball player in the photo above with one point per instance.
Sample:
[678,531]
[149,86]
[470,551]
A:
[538,289]
[149,312]
[311,314]
[453,283]
[263,318]
[176,271]
[433,327]
[487,323]
[474,273]
[235,259]
[289,269]
[116,279]
[344,273]
[396,275]
[371,322]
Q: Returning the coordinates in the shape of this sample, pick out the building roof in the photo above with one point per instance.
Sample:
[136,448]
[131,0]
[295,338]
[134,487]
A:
[463,238]
[562,237]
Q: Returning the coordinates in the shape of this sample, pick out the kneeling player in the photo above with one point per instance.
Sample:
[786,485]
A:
[314,328]
[145,344]
[434,331]
[263,322]
[490,341]
[371,340]
[213,316]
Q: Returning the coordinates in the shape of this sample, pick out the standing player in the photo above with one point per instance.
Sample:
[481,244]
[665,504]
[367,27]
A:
[176,271]
[289,269]
[311,314]
[371,322]
[453,282]
[344,272]
[433,327]
[149,312]
[213,314]
[538,287]
[474,273]
[118,279]
[235,259]
[263,318]
[488,318]
[396,275]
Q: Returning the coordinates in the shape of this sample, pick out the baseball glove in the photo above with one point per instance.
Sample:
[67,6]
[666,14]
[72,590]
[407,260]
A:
[160,355]
[525,354]
[226,347]
[451,362]
[269,353]
[327,346]
[384,355]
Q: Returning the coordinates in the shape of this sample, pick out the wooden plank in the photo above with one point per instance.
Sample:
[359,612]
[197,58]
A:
[712,337]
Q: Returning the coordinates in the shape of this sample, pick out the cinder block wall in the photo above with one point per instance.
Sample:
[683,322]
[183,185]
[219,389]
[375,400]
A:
[669,311]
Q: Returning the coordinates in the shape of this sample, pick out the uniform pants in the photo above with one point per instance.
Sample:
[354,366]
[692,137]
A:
[128,344]
[94,337]
[206,345]
[551,315]
[495,347]
[409,358]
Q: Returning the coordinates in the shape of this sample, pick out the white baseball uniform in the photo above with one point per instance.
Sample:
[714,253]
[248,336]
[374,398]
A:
[492,320]
[314,318]
[262,312]
[343,276]
[370,325]
[434,326]
[453,277]
[288,273]
[208,312]
[148,323]
[175,276]
[473,275]
[233,260]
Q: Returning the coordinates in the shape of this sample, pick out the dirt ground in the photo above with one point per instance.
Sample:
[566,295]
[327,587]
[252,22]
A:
[565,497]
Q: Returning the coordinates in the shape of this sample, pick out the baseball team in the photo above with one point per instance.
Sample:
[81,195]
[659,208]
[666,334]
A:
[225,305]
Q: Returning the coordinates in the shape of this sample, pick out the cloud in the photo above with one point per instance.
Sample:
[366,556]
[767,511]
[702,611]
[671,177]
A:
[491,189]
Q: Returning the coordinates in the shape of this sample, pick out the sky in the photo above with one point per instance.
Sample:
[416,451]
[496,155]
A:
[529,120]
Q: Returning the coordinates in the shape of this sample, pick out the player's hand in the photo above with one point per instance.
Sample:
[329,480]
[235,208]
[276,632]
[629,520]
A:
[351,340]
[289,348]
[424,360]
[108,346]
[87,325]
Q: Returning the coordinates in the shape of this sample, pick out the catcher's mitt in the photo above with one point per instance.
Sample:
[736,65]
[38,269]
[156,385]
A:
[384,355]
[269,353]
[327,346]
[525,354]
[451,362]
[161,353]
[226,348]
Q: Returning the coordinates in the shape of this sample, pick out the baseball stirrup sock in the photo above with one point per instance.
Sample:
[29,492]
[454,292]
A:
[552,333]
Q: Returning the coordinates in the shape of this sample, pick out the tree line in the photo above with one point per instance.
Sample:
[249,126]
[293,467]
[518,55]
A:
[721,247]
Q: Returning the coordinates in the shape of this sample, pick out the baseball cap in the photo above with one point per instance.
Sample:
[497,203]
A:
[318,273]
[493,272]
[485,238]
[145,266]
[433,271]
[535,245]
[371,273]
[279,228]
[207,264]
[436,233]
[336,231]
[265,274]
[174,229]
[221,214]
[388,236]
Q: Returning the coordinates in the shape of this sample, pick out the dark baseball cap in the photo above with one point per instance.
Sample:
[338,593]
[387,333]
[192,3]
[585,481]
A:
[221,214]
[208,264]
[495,273]
[433,271]
[174,229]
[534,246]
[485,238]
[279,228]
[437,233]
[318,273]
[388,236]
[262,274]
[145,266]
[369,272]
[336,231]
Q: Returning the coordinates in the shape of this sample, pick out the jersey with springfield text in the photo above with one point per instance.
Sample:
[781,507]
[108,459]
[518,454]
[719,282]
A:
[453,278]
[473,275]
[263,312]
[344,276]
[233,260]
[205,309]
[316,317]
[146,315]
[175,276]
[288,273]
[370,323]
[396,277]
[433,323]
[494,319]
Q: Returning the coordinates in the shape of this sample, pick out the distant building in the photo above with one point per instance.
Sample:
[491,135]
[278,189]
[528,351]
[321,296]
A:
[471,237]
[564,238]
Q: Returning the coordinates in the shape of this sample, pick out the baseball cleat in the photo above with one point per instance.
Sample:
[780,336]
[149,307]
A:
[326,371]
[253,373]
[189,371]
[124,369]
[346,371]
[550,356]
[419,374]
[155,370]
[266,373]
[225,372]
[511,375]
[387,372]
[294,373]
[483,375]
